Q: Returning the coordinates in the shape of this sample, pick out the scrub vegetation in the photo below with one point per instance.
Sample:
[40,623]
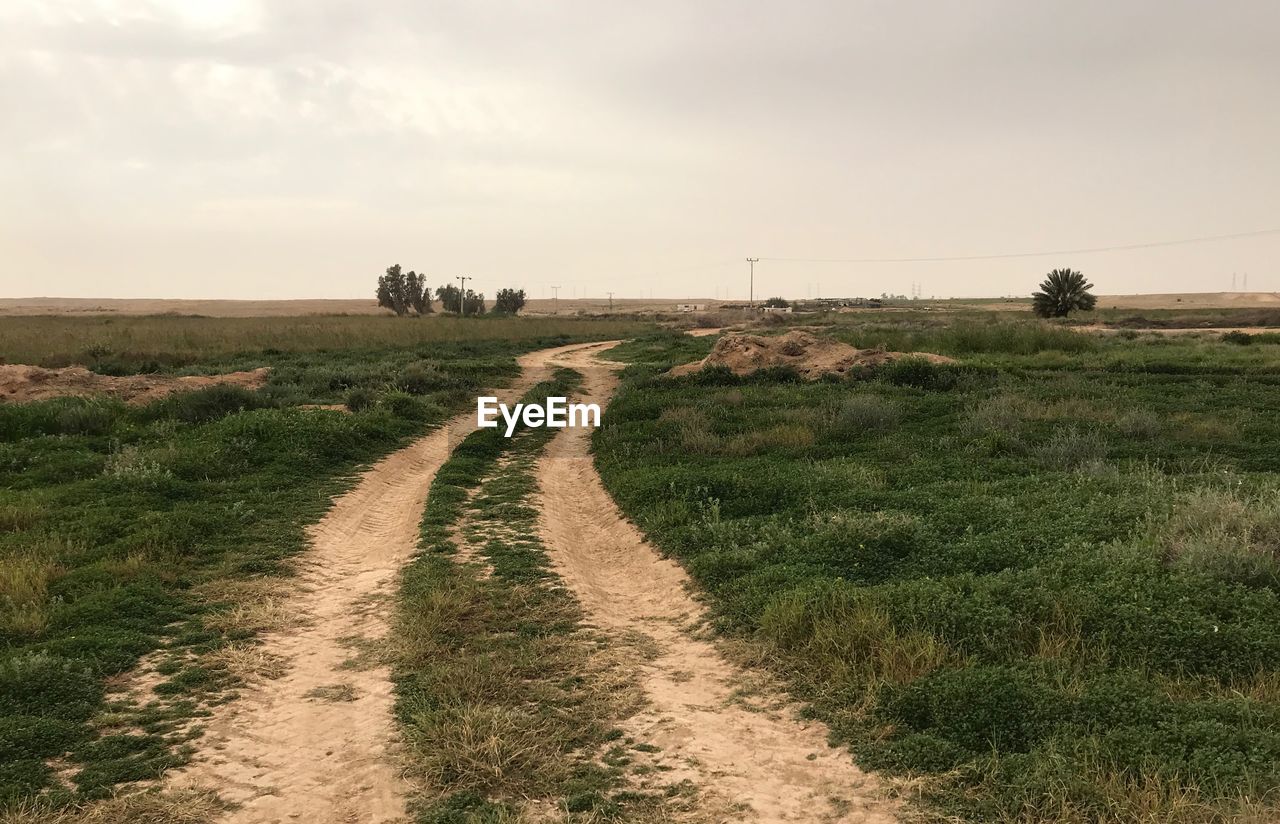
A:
[165,531]
[1042,582]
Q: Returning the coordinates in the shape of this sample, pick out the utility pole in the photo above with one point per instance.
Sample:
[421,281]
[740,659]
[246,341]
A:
[610,301]
[555,300]
[751,295]
[462,296]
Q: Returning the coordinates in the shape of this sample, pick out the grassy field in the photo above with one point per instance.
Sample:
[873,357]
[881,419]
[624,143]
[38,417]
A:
[1044,579]
[161,342]
[166,530]
[1041,582]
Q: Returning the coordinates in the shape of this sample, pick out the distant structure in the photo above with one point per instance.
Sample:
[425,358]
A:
[691,307]
[843,303]
[776,310]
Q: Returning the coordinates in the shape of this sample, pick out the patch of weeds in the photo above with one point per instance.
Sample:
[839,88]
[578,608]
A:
[334,693]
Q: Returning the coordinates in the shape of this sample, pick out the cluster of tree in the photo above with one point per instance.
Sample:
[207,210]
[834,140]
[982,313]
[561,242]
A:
[1063,292]
[402,292]
[509,301]
[778,303]
[452,299]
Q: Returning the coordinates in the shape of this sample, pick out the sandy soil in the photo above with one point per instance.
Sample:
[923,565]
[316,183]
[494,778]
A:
[21,384]
[810,355]
[285,753]
[753,752]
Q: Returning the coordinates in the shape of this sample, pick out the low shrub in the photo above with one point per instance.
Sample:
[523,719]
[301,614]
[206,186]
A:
[1070,447]
[207,404]
[866,412]
[359,400]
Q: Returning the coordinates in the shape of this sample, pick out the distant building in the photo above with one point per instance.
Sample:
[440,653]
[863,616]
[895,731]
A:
[691,307]
[778,310]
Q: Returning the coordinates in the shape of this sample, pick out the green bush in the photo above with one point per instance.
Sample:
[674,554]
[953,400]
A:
[911,371]
[866,412]
[406,406]
[359,400]
[421,378]
[207,404]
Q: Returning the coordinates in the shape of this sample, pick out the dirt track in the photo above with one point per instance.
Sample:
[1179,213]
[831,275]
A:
[283,753]
[758,755]
[279,751]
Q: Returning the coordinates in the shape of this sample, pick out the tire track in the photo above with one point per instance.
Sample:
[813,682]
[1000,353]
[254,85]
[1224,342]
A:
[760,759]
[288,750]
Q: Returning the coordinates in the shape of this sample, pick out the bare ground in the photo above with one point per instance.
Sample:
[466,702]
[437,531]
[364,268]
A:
[314,745]
[812,356]
[752,752]
[20,383]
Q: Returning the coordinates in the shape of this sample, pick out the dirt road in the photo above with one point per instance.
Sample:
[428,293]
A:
[752,753]
[313,746]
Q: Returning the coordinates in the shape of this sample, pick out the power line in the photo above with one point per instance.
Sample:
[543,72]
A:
[1084,251]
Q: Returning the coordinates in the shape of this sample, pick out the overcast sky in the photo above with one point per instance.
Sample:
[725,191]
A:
[291,148]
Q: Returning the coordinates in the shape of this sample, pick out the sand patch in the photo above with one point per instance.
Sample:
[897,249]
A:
[22,384]
[808,354]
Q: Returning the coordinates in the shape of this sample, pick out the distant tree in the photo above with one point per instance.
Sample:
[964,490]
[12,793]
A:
[779,303]
[508,301]
[417,293]
[450,298]
[473,303]
[1062,292]
[393,292]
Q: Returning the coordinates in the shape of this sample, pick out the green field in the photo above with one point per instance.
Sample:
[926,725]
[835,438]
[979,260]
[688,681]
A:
[135,530]
[1043,579]
[1039,584]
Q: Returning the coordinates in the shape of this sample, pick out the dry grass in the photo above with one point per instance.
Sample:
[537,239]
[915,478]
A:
[24,590]
[851,642]
[188,807]
[254,605]
[247,662]
[781,436]
[15,517]
[1223,531]
[334,693]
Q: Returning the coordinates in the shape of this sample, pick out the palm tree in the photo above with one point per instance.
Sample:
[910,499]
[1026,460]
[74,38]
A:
[1062,292]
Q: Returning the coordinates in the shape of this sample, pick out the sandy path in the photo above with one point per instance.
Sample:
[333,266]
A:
[279,752]
[776,765]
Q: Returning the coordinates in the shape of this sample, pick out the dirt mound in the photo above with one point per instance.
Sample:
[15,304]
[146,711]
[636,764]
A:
[21,384]
[803,351]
